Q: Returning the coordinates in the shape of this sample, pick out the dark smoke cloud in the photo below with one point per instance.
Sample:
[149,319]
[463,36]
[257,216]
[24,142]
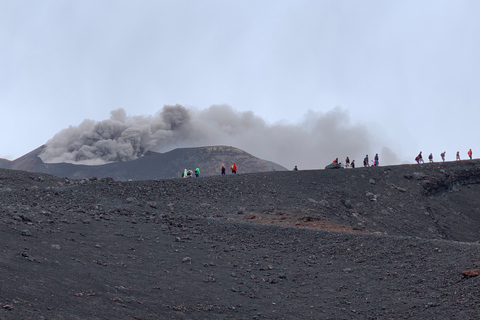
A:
[313,143]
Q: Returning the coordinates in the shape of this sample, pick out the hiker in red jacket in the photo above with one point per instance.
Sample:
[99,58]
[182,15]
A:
[470,154]
[233,167]
[419,158]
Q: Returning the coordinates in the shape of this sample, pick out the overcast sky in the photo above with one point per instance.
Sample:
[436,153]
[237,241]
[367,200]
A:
[407,70]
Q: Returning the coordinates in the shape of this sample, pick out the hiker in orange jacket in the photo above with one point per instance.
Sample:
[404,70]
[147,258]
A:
[233,167]
[470,154]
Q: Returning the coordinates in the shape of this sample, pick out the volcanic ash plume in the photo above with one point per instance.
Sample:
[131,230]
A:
[120,138]
[313,143]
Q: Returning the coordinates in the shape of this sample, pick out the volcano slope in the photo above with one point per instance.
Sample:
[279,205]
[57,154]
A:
[366,243]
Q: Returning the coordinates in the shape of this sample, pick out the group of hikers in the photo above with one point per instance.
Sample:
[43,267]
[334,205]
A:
[366,163]
[189,173]
[419,158]
[233,167]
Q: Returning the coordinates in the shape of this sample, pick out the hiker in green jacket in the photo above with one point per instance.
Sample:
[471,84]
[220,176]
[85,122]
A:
[197,172]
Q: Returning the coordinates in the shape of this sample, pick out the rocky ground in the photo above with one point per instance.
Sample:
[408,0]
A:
[365,243]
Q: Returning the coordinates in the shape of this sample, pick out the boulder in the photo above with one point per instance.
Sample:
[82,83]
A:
[333,165]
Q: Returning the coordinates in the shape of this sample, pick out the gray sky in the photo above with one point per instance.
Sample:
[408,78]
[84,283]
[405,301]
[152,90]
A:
[408,71]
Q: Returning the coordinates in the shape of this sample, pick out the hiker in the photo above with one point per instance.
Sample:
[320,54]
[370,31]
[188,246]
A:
[376,160]
[347,163]
[430,157]
[353,164]
[184,174]
[365,161]
[295,169]
[470,154]
[197,172]
[233,167]
[372,163]
[419,158]
[335,161]
[443,155]
[458,156]
[189,173]
[223,169]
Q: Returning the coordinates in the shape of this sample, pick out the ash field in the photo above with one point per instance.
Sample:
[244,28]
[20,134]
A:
[366,243]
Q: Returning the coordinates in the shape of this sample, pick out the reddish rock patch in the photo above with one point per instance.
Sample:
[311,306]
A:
[293,220]
[470,273]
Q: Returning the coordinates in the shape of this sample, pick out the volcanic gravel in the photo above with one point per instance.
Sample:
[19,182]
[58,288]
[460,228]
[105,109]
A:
[365,243]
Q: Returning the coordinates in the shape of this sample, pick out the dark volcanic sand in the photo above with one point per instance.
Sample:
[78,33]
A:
[368,243]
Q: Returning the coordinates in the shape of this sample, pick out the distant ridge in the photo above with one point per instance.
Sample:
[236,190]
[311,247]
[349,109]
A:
[151,166]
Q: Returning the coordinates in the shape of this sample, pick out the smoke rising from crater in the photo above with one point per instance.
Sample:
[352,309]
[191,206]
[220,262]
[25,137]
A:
[314,142]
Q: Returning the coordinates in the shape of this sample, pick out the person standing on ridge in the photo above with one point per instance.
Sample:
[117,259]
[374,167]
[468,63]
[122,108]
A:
[443,155]
[353,164]
[419,158]
[197,172]
[347,163]
[233,167]
[430,158]
[470,154]
[458,156]
[376,160]
[223,169]
[295,169]
[365,161]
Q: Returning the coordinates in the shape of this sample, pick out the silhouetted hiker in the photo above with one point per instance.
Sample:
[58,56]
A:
[233,167]
[376,160]
[223,169]
[419,158]
[347,163]
[458,156]
[365,161]
[443,155]
[197,172]
[430,158]
[335,161]
[295,169]
[353,164]
[470,154]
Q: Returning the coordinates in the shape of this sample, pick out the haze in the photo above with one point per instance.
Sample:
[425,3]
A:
[401,75]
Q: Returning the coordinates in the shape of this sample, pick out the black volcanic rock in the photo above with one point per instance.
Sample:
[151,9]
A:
[251,246]
[153,165]
[333,165]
